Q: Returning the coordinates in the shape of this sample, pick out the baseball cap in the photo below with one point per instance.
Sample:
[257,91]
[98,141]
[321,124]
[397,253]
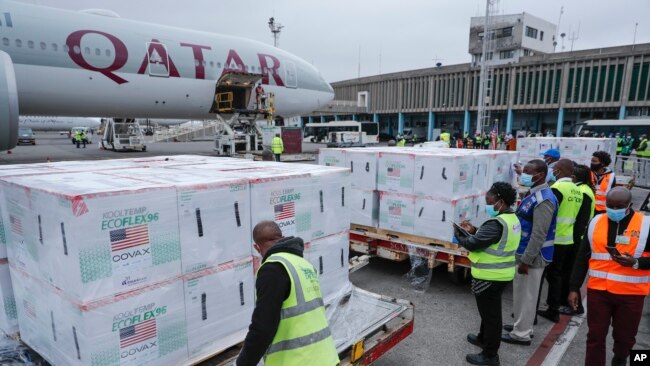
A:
[554,153]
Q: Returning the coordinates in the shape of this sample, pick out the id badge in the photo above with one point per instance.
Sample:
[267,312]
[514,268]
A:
[622,239]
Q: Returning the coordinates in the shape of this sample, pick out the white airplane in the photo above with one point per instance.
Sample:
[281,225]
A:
[42,123]
[66,63]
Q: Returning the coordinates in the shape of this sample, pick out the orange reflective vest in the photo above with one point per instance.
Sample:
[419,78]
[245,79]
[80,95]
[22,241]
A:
[602,189]
[607,275]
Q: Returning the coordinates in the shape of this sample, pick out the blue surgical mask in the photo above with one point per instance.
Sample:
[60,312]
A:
[526,180]
[491,211]
[551,177]
[616,215]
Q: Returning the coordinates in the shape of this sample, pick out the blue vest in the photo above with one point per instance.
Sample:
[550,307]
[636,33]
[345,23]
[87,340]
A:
[525,215]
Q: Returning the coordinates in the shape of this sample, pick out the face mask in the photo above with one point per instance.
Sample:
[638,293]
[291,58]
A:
[552,177]
[595,167]
[491,211]
[526,180]
[616,215]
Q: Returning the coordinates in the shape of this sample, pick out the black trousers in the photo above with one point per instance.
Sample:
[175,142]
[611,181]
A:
[277,157]
[488,300]
[558,274]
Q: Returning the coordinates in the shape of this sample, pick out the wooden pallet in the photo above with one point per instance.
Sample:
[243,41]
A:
[383,234]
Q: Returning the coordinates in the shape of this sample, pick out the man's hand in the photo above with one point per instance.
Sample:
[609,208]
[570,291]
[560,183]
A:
[624,260]
[523,268]
[574,300]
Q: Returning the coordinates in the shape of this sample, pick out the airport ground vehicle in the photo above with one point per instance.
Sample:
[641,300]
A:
[26,136]
[343,133]
[609,127]
[85,130]
[123,135]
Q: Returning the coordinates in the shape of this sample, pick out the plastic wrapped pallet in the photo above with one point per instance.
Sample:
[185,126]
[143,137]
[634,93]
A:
[8,316]
[111,235]
[364,207]
[213,213]
[144,327]
[396,212]
[395,172]
[332,157]
[329,255]
[219,304]
[434,217]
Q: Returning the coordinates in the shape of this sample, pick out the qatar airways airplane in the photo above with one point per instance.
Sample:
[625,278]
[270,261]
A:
[94,63]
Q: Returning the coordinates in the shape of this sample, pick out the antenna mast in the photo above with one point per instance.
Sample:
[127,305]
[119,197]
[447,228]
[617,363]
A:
[275,28]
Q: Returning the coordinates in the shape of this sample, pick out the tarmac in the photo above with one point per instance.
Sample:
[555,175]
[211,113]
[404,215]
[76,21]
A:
[444,313]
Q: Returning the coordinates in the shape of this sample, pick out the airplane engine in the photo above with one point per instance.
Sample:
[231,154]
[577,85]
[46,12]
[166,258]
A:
[8,103]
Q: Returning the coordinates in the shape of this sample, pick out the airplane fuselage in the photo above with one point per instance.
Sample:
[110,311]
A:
[78,64]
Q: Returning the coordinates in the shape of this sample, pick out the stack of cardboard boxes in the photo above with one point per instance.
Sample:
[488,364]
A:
[150,261]
[578,149]
[421,191]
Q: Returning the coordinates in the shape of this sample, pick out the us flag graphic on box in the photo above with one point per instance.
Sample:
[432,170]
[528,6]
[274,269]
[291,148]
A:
[393,172]
[395,211]
[130,237]
[137,333]
[285,211]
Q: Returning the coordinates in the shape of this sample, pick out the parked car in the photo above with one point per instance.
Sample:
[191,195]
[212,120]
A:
[26,136]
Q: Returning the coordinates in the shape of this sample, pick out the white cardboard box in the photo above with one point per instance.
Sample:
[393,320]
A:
[8,316]
[434,217]
[330,256]
[396,212]
[364,207]
[144,327]
[363,168]
[219,306]
[213,212]
[111,235]
[395,172]
[444,176]
[332,157]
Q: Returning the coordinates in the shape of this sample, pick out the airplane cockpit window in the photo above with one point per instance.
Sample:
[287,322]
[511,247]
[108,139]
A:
[19,43]
[30,44]
[55,47]
[43,45]
[5,41]
[98,52]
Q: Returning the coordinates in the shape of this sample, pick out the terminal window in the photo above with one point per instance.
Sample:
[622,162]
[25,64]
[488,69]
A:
[531,32]
[507,54]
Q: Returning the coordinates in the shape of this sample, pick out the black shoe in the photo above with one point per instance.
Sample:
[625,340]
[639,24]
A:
[509,327]
[508,339]
[565,310]
[551,315]
[473,339]
[481,359]
[617,361]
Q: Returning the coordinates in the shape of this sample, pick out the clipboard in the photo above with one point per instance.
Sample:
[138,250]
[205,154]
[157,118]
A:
[460,229]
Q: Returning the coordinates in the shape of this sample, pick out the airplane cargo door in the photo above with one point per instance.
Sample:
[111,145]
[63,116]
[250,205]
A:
[158,59]
[291,79]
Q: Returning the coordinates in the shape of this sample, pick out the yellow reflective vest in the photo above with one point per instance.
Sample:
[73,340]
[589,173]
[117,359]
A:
[497,262]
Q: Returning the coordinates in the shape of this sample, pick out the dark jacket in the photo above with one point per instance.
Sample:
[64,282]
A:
[273,286]
[489,233]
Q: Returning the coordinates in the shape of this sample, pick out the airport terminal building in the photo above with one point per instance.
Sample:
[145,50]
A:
[541,92]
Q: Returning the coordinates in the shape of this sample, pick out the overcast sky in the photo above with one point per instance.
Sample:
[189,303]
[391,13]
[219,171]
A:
[393,35]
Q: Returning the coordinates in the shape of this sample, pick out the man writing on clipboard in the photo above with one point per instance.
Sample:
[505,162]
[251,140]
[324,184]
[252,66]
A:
[616,255]
[492,259]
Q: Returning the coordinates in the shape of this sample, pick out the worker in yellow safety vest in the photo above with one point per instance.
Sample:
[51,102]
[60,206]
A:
[492,256]
[615,254]
[277,146]
[643,150]
[289,326]
[446,137]
[401,141]
[569,197]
